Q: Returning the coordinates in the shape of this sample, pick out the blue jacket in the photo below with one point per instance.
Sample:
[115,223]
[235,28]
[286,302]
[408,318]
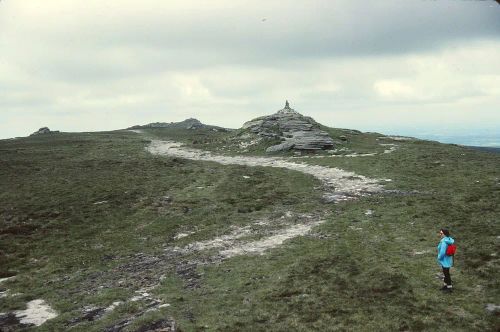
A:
[445,261]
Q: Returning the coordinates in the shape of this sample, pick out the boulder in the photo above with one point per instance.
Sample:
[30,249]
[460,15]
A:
[43,130]
[285,146]
[299,132]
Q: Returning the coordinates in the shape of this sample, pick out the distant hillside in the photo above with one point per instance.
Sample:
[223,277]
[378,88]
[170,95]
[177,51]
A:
[190,123]
[485,148]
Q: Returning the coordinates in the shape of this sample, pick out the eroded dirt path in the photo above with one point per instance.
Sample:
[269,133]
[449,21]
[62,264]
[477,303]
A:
[144,272]
[339,184]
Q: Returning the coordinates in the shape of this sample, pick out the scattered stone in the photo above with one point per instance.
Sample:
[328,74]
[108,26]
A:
[422,252]
[245,144]
[113,306]
[183,235]
[368,212]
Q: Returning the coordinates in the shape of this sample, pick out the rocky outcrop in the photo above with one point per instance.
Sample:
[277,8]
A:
[297,131]
[43,130]
[190,123]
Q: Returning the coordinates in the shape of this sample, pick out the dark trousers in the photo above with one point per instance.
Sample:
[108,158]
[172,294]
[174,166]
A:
[447,276]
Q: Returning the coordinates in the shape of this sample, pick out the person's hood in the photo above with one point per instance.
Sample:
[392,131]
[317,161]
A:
[448,240]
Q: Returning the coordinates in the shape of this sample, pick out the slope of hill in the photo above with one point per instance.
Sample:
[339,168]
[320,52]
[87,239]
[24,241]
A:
[112,237]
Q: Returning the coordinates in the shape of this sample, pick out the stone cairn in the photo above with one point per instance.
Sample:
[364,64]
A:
[297,132]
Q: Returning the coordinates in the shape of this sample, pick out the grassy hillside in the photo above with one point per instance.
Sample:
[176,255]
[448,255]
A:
[89,219]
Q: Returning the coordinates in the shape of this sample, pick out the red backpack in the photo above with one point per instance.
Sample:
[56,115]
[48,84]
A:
[451,249]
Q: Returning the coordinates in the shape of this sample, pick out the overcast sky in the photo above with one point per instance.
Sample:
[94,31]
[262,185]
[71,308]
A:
[388,66]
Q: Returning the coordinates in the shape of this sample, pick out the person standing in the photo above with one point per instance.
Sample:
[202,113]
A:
[444,260]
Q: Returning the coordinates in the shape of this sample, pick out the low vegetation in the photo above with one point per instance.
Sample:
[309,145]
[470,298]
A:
[89,219]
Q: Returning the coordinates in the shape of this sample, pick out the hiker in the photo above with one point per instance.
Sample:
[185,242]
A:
[445,260]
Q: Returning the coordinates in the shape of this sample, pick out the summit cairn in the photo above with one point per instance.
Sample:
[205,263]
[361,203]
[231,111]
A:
[287,109]
[297,132]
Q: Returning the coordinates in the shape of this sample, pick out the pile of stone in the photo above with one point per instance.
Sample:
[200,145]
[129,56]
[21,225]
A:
[44,130]
[297,132]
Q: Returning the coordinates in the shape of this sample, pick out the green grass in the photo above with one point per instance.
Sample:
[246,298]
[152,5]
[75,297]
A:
[356,272]
[364,276]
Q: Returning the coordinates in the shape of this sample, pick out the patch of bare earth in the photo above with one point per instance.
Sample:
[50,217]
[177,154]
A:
[37,313]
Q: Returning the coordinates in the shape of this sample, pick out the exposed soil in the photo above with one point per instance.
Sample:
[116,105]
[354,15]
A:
[37,312]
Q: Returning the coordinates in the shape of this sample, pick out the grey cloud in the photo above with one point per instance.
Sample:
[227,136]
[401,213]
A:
[98,45]
[297,29]
[99,65]
[313,29]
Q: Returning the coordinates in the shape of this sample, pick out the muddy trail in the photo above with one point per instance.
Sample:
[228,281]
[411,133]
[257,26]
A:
[338,185]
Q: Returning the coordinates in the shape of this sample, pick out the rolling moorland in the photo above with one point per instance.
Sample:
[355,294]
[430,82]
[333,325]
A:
[127,231]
